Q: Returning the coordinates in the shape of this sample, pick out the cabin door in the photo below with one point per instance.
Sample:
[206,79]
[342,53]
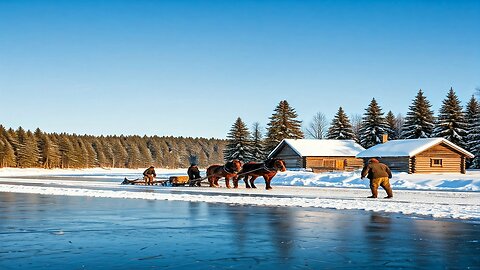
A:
[340,164]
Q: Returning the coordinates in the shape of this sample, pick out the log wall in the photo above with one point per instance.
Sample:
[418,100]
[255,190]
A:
[292,159]
[451,161]
[319,164]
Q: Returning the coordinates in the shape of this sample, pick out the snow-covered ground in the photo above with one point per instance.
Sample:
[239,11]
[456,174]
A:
[437,195]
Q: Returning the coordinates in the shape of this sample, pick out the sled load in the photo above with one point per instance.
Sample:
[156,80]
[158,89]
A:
[173,181]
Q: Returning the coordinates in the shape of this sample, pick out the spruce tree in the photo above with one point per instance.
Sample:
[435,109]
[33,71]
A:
[258,147]
[374,125]
[340,128]
[472,116]
[393,132]
[419,122]
[283,125]
[451,121]
[239,145]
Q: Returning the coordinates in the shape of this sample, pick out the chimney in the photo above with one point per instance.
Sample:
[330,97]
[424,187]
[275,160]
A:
[384,138]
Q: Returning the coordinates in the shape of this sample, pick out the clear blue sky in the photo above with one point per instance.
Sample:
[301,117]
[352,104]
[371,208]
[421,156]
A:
[190,68]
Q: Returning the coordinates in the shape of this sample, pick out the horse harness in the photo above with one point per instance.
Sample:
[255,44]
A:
[224,167]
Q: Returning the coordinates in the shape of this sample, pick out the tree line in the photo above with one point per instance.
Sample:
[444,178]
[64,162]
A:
[453,122]
[25,149]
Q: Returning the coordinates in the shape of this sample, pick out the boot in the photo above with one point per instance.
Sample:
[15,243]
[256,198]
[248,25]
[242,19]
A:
[374,192]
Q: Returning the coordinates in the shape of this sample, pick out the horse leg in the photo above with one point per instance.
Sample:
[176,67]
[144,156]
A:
[227,182]
[235,181]
[211,181]
[245,179]
[267,182]
[252,180]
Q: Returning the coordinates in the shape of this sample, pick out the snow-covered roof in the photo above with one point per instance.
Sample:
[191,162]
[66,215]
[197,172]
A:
[408,148]
[318,148]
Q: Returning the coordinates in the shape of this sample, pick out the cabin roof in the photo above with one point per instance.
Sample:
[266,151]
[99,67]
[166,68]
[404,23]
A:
[319,148]
[408,148]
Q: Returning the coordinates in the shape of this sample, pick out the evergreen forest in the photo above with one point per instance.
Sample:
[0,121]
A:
[24,148]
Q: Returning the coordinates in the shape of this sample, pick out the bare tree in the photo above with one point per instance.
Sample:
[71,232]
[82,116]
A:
[317,129]
[399,121]
[356,120]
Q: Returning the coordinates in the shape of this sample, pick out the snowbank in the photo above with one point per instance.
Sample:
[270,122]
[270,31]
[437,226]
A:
[437,195]
[440,181]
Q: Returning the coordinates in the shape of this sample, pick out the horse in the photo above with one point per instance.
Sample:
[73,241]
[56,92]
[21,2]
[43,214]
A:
[268,169]
[229,170]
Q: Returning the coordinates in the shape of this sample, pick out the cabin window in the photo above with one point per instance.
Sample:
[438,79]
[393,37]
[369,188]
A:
[436,162]
[329,163]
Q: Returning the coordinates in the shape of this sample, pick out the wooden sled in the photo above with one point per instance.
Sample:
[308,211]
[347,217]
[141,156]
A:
[140,181]
[174,181]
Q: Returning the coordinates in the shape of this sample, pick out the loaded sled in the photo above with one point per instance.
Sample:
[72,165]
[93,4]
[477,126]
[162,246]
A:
[174,181]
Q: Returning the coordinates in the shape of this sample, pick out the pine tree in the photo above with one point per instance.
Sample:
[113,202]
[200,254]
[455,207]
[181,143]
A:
[472,116]
[48,150]
[27,152]
[107,150]
[451,121]
[258,147]
[102,160]
[419,120]
[92,157]
[341,128]
[67,155]
[393,133]
[134,159]
[239,145]
[374,125]
[7,155]
[283,125]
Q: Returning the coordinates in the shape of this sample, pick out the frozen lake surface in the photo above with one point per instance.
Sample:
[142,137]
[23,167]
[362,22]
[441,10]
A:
[89,221]
[75,232]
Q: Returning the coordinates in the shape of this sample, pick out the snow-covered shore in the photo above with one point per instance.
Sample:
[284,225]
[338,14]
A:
[436,195]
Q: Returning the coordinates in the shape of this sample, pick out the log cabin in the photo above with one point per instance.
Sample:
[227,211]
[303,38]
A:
[319,155]
[427,155]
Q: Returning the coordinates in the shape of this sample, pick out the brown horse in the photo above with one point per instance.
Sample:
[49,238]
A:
[267,169]
[229,170]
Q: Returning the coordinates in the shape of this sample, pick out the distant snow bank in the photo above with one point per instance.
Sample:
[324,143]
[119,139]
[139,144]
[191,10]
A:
[438,181]
[435,181]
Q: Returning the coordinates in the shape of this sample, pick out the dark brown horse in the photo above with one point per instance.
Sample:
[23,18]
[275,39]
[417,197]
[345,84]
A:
[229,170]
[267,169]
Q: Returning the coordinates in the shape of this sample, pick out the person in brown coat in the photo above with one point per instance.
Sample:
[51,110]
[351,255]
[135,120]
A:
[148,175]
[379,175]
[194,173]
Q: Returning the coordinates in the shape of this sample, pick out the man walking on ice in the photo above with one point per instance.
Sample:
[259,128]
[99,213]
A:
[379,175]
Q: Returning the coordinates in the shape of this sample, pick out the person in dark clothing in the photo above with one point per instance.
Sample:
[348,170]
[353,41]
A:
[148,175]
[379,175]
[194,173]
